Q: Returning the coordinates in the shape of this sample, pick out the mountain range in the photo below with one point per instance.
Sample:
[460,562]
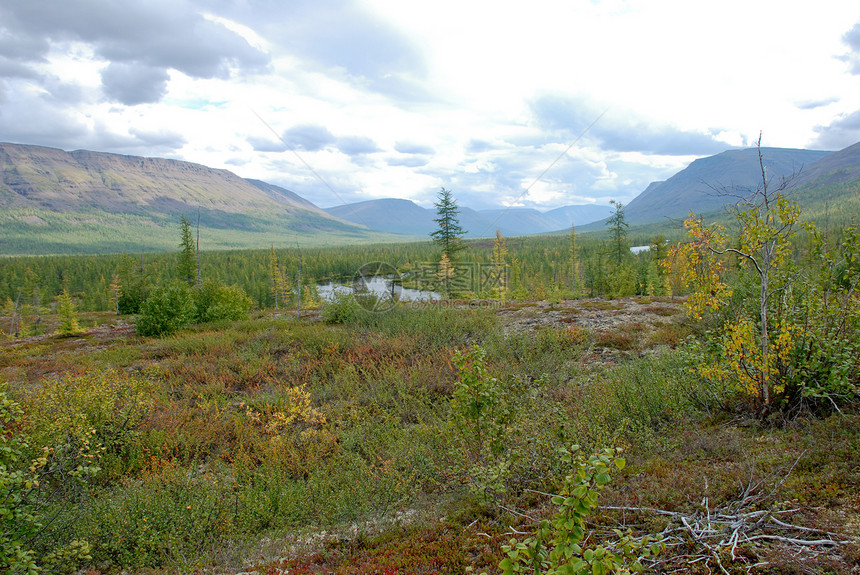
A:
[406,217]
[53,201]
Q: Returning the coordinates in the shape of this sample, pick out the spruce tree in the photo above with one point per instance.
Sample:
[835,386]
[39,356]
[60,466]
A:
[186,268]
[618,231]
[450,233]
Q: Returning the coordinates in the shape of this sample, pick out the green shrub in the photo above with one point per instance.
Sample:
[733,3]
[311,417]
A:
[478,407]
[25,492]
[214,301]
[342,308]
[167,309]
[559,544]
[105,407]
[173,520]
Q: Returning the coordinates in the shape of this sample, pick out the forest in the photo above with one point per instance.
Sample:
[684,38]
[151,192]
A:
[690,407]
[541,267]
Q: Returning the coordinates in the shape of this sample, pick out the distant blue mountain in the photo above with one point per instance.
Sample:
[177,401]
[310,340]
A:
[406,217]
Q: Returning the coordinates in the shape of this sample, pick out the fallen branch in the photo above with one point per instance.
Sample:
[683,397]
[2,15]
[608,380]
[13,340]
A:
[719,532]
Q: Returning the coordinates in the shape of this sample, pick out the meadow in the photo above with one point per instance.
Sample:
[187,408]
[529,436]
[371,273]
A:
[305,447]
[465,435]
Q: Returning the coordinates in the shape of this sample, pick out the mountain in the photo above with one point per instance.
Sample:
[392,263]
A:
[836,168]
[282,195]
[697,187]
[390,215]
[578,215]
[406,217]
[53,201]
[515,222]
[828,191]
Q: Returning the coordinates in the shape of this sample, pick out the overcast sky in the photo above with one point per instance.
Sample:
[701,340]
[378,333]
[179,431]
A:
[394,98]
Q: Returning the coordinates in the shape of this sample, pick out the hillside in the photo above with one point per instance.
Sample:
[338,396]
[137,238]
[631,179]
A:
[391,215]
[399,216]
[54,201]
[696,187]
[836,168]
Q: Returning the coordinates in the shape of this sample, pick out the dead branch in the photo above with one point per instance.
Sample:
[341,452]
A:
[719,532]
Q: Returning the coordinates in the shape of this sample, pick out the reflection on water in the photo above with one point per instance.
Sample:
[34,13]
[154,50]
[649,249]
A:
[378,286]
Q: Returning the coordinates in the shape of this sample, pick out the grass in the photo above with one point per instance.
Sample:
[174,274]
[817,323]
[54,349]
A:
[277,445]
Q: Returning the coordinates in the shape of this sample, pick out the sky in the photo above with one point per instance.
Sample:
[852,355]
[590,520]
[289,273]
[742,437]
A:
[539,104]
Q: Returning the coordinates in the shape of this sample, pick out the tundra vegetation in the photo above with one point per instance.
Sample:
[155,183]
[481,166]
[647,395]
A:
[206,428]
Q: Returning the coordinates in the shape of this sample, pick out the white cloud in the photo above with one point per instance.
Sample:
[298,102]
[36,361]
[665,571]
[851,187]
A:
[405,97]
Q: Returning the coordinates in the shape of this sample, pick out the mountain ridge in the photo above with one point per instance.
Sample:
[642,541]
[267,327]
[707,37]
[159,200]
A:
[698,186]
[54,201]
[395,215]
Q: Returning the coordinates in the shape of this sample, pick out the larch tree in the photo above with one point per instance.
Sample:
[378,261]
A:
[67,315]
[280,285]
[445,273]
[499,261]
[576,283]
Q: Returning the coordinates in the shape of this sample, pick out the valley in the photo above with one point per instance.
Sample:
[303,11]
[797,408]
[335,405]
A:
[562,396]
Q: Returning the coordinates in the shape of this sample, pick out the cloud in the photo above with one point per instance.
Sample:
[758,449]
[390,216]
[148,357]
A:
[29,116]
[357,145]
[839,134]
[619,130]
[414,161]
[407,147]
[475,146]
[33,122]
[161,139]
[309,137]
[266,144]
[135,83]
[238,162]
[11,69]
[410,154]
[19,46]
[852,39]
[813,104]
[344,35]
[144,39]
